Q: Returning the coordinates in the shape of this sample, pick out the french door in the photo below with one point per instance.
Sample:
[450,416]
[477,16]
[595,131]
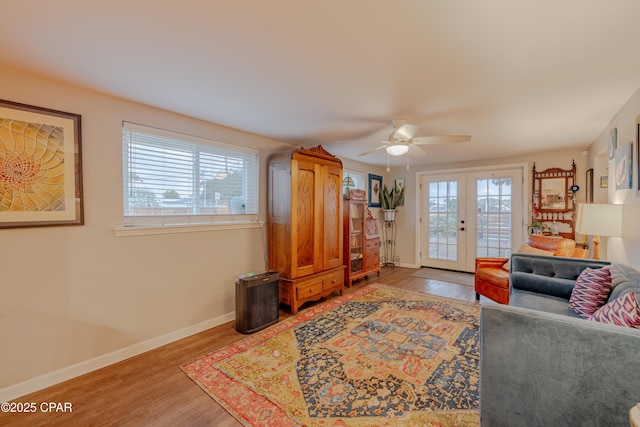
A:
[469,214]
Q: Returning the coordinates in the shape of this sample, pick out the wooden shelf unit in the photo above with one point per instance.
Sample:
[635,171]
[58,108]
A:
[361,238]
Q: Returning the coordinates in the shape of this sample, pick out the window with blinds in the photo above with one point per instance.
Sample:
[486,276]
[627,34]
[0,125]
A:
[172,178]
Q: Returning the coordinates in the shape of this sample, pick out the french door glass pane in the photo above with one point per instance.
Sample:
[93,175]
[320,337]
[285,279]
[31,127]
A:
[443,220]
[494,206]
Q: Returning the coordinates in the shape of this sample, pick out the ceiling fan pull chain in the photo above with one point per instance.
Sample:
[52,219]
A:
[407,160]
[388,162]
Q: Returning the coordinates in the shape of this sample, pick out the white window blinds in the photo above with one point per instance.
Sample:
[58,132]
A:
[172,178]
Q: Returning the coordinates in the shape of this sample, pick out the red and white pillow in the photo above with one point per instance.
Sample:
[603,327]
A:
[623,311]
[591,291]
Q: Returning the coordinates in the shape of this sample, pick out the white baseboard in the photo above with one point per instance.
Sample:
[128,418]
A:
[407,265]
[403,264]
[64,374]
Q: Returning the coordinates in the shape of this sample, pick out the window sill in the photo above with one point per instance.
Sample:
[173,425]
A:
[146,230]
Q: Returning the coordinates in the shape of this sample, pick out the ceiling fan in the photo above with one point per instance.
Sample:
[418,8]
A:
[403,140]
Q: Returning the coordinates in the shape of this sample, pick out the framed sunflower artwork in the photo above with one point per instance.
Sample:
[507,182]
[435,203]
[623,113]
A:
[40,167]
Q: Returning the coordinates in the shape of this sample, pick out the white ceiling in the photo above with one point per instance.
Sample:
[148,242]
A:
[517,75]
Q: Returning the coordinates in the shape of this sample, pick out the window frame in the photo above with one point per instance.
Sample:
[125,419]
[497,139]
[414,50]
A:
[359,179]
[194,220]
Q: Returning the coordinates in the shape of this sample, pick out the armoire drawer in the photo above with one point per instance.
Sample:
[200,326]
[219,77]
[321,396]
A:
[310,289]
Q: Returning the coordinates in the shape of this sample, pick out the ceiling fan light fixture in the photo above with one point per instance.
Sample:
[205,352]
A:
[397,149]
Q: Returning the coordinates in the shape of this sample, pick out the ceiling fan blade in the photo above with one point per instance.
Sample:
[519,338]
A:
[381,147]
[416,151]
[406,132]
[440,139]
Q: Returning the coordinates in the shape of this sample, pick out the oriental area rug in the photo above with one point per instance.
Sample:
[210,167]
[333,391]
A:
[379,356]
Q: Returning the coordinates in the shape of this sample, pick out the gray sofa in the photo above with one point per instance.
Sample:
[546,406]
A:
[543,365]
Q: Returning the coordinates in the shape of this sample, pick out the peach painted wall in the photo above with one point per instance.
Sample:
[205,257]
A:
[72,294]
[627,248]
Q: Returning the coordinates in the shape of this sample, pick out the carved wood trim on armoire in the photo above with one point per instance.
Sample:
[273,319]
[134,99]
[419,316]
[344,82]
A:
[305,224]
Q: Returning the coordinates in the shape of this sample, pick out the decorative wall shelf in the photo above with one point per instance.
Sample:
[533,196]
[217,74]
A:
[553,197]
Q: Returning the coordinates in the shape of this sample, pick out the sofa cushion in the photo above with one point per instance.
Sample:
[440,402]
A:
[526,249]
[623,311]
[624,279]
[566,268]
[494,275]
[540,302]
[541,369]
[543,284]
[591,291]
[621,273]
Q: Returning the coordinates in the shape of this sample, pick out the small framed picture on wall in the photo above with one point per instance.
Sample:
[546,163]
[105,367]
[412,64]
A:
[604,181]
[375,186]
[398,185]
[612,143]
[623,166]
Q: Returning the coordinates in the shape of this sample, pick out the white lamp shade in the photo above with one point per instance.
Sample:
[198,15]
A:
[599,220]
[397,149]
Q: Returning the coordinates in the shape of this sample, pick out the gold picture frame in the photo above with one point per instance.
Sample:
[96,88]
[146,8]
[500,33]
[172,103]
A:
[40,167]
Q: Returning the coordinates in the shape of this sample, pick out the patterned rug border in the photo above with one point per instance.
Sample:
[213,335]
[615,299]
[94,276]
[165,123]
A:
[279,416]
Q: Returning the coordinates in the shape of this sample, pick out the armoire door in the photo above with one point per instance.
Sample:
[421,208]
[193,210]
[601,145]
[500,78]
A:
[306,183]
[332,217]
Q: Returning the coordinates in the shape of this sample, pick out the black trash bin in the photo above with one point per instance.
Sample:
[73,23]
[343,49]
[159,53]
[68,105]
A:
[256,301]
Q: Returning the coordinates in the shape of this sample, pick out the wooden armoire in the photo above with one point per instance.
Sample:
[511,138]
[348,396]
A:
[305,224]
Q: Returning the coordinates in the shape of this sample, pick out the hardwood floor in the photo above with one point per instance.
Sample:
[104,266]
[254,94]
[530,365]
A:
[151,390]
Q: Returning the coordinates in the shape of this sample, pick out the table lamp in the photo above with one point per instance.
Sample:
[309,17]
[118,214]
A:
[599,220]
[348,182]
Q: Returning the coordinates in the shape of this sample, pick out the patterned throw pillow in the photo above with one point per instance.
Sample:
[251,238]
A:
[591,291]
[623,311]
